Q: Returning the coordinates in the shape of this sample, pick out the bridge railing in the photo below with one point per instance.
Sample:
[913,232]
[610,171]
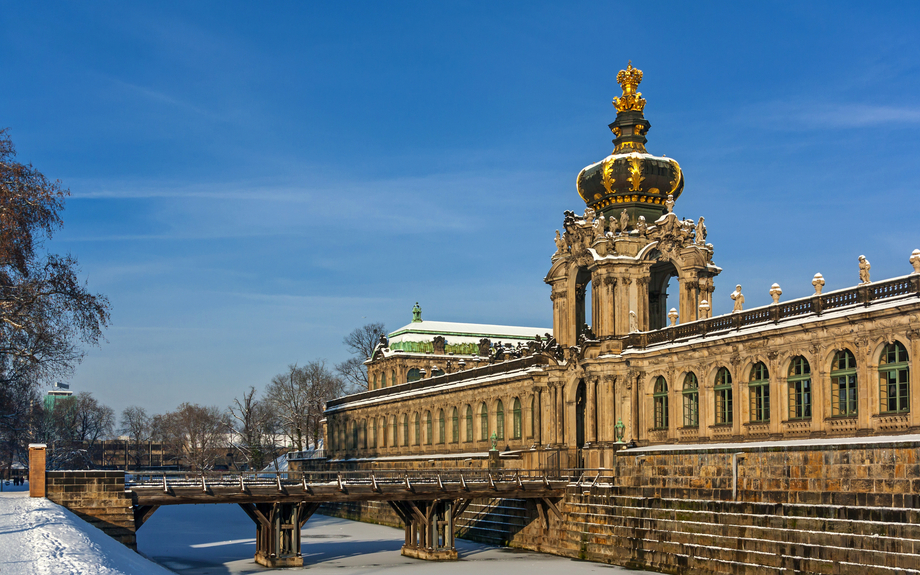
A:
[380,477]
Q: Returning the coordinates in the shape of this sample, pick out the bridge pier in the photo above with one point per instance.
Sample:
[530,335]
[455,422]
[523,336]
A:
[278,527]
[430,527]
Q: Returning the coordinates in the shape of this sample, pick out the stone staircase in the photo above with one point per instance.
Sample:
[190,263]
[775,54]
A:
[494,521]
[709,537]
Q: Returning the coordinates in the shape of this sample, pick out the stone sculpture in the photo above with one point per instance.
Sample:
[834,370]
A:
[561,248]
[670,203]
[599,228]
[818,282]
[642,226]
[589,215]
[633,322]
[701,232]
[672,316]
[738,298]
[624,221]
[704,309]
[484,347]
[864,270]
[915,261]
[613,226]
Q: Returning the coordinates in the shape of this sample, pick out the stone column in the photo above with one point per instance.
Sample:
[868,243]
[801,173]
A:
[913,345]
[591,412]
[820,387]
[560,413]
[642,311]
[538,423]
[865,392]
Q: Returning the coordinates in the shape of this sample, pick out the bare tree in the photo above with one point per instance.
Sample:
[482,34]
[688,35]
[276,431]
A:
[255,429]
[198,433]
[361,343]
[78,422]
[135,424]
[299,398]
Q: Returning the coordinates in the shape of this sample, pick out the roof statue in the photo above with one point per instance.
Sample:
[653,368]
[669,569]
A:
[416,313]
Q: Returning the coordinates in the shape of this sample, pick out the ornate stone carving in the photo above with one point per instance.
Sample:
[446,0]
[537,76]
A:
[624,221]
[701,232]
[484,347]
[864,270]
[915,261]
[439,344]
[669,203]
[818,282]
[775,292]
[672,316]
[561,248]
[738,298]
[642,227]
[633,322]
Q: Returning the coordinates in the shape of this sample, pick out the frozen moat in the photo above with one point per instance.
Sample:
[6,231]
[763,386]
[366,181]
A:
[219,539]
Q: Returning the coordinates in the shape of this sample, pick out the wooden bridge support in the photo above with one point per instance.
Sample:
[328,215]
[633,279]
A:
[430,527]
[278,527]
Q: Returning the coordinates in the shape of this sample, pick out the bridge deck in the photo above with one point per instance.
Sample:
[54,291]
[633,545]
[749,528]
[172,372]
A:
[293,487]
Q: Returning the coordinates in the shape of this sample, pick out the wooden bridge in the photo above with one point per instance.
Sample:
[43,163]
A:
[428,502]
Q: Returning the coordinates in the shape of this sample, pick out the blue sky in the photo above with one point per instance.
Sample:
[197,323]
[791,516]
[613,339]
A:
[251,182]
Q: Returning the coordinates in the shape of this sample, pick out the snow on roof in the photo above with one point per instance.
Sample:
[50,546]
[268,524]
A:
[435,389]
[457,332]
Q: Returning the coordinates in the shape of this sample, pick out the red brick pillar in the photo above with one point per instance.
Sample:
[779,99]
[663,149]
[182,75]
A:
[37,469]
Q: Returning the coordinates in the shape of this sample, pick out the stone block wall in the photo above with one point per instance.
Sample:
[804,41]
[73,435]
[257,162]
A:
[98,497]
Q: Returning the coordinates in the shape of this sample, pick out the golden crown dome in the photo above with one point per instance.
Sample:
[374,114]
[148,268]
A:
[630,178]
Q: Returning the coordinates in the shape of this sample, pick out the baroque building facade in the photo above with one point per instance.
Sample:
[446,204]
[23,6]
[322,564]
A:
[834,364]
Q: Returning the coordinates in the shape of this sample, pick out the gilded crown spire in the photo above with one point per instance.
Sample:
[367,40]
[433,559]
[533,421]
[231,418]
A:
[631,99]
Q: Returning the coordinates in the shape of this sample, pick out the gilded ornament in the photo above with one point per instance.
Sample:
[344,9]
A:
[631,99]
[635,174]
[607,175]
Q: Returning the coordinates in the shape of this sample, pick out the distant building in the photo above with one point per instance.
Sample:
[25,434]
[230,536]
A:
[57,391]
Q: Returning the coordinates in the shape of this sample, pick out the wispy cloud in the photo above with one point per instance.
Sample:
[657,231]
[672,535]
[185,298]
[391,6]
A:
[781,116]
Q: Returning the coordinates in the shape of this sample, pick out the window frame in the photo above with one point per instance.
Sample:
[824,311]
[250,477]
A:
[660,403]
[691,396]
[844,382]
[759,393]
[898,371]
[723,398]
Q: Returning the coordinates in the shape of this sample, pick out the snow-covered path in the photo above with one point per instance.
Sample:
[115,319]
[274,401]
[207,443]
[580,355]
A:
[43,538]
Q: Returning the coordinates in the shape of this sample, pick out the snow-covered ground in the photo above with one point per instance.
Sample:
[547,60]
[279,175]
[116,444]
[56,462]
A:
[40,537]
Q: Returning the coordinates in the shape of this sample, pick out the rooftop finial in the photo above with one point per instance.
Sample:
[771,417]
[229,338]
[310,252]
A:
[629,79]
[416,313]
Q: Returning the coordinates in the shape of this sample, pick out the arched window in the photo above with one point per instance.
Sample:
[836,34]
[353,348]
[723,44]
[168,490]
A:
[383,431]
[516,419]
[405,430]
[374,386]
[414,375]
[484,422]
[843,384]
[392,377]
[390,428]
[436,371]
[799,389]
[723,391]
[469,423]
[442,430]
[354,434]
[893,372]
[364,434]
[418,430]
[661,403]
[759,388]
[454,426]
[499,419]
[691,394]
[383,379]
[428,436]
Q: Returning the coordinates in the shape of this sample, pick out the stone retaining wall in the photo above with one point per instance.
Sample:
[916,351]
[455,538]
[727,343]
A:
[98,497]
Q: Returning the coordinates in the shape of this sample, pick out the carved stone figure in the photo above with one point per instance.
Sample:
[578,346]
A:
[633,322]
[599,228]
[642,227]
[775,292]
[738,298]
[624,221]
[589,215]
[864,270]
[915,261]
[439,344]
[613,226]
[670,203]
[384,341]
[561,248]
[484,346]
[701,232]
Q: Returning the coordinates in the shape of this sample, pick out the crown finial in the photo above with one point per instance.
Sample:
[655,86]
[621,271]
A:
[632,99]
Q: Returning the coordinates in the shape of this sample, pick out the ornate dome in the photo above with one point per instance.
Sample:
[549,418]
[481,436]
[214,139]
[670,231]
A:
[630,178]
